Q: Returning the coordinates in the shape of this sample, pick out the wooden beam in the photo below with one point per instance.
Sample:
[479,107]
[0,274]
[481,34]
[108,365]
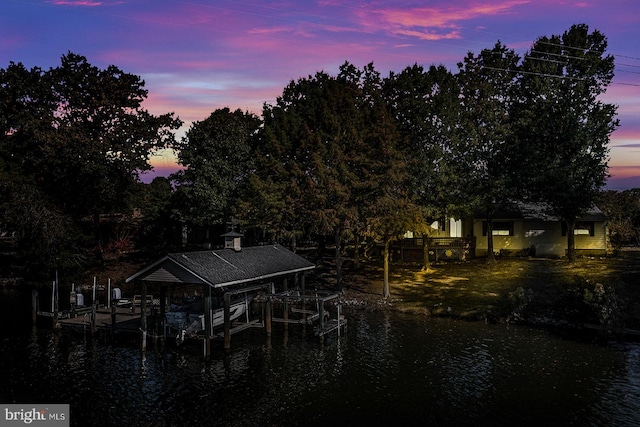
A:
[227,320]
[207,321]
[143,316]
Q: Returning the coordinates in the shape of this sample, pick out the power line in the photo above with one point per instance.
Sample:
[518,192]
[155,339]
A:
[534,73]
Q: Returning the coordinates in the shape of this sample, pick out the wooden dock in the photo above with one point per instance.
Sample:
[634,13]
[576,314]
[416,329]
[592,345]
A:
[123,320]
[319,309]
[116,320]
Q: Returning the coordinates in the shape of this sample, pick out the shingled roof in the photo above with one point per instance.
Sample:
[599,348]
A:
[539,211]
[224,267]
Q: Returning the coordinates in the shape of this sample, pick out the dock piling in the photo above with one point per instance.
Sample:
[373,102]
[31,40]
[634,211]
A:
[34,305]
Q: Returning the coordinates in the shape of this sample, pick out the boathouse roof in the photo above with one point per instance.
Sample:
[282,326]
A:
[224,267]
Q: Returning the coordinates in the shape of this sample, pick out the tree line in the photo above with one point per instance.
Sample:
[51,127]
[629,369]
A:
[350,156]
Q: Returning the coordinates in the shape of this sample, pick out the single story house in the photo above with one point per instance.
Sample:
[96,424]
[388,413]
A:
[532,229]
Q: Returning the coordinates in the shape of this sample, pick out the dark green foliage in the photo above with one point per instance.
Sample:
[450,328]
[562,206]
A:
[485,151]
[350,156]
[622,209]
[425,105]
[73,140]
[159,228]
[217,154]
[327,154]
[584,301]
[564,127]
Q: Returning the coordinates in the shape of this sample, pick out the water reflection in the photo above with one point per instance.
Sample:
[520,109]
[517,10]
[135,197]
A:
[388,368]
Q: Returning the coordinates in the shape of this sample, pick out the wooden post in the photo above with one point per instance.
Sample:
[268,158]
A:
[109,293]
[321,312]
[285,303]
[93,317]
[208,321]
[54,302]
[94,290]
[227,321]
[113,318]
[143,315]
[34,305]
[267,320]
[53,296]
[304,303]
[425,253]
[339,305]
[163,308]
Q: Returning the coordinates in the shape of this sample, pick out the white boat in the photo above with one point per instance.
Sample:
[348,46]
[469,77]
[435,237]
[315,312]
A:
[196,325]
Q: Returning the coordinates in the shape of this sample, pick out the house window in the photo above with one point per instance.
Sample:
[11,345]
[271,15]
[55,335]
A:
[500,228]
[583,228]
[586,228]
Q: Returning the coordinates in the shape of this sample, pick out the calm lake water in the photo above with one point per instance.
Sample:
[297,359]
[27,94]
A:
[388,369]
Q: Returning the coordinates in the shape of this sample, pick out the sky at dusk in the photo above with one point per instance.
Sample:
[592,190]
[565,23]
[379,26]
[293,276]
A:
[200,55]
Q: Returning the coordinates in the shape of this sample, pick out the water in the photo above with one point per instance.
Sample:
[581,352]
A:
[388,369]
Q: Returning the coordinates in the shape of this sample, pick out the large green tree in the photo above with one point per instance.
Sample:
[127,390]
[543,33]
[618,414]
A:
[425,105]
[305,149]
[77,137]
[486,150]
[101,137]
[325,148]
[217,156]
[565,127]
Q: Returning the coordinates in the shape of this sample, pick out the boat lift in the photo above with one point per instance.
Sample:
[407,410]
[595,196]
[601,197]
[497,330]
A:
[305,306]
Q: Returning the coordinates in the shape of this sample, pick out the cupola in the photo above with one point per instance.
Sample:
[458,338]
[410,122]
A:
[232,237]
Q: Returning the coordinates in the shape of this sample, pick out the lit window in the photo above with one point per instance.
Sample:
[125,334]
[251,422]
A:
[500,228]
[583,228]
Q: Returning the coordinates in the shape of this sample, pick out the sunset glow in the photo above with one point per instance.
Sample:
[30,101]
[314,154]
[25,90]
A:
[197,56]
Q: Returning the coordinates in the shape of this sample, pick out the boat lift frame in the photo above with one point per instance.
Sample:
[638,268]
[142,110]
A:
[309,316]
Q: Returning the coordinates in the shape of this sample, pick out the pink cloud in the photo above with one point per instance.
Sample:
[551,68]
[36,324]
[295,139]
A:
[76,3]
[624,171]
[431,23]
[429,35]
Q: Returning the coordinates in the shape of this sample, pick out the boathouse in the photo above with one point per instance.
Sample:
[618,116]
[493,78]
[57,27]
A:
[221,274]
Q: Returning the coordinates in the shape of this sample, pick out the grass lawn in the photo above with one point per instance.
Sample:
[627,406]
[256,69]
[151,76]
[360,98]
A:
[475,290]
